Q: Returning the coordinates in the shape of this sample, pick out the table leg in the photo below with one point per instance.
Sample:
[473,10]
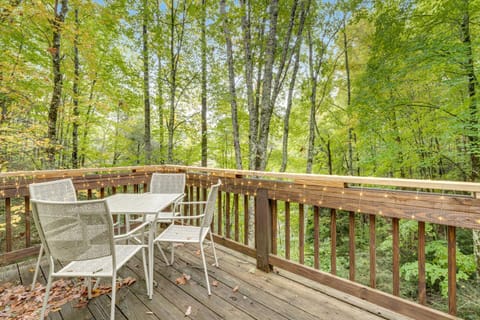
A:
[150,261]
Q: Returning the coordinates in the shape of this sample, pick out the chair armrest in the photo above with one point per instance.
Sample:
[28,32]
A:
[190,202]
[131,232]
[187,217]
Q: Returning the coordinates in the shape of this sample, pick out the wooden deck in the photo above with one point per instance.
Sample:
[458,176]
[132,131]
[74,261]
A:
[276,295]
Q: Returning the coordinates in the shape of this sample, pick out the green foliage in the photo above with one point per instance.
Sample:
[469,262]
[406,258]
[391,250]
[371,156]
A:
[437,266]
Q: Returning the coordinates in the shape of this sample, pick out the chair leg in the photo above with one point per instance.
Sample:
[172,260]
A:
[173,254]
[163,254]
[145,270]
[89,287]
[114,291]
[47,293]
[205,269]
[213,247]
[37,267]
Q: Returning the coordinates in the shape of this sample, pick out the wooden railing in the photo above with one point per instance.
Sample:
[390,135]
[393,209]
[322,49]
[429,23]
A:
[265,215]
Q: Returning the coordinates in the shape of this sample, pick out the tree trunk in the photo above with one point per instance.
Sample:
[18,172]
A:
[252,110]
[175,50]
[173,87]
[266,106]
[204,84]
[57,25]
[146,85]
[473,131]
[233,94]
[76,79]
[90,110]
[296,51]
[313,71]
[349,98]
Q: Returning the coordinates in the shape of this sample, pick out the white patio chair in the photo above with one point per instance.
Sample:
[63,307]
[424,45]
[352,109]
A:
[162,183]
[58,190]
[176,233]
[165,183]
[63,190]
[80,234]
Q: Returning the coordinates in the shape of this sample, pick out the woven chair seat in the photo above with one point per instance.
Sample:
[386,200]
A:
[181,233]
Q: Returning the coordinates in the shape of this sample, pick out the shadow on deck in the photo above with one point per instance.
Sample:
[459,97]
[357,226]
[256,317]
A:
[240,291]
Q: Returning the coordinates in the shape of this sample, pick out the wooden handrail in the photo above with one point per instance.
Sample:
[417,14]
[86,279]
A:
[270,197]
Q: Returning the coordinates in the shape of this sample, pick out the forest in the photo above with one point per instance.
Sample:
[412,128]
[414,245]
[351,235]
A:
[347,87]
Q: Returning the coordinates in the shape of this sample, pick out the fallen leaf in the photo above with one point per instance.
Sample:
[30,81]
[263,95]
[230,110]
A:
[215,283]
[181,280]
[197,252]
[252,270]
[235,289]
[187,276]
[189,311]
[149,312]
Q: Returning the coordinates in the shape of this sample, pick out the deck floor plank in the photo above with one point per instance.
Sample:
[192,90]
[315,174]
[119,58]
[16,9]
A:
[165,276]
[277,295]
[301,292]
[159,305]
[246,290]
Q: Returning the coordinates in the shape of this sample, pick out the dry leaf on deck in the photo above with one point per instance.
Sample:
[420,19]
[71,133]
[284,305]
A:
[189,311]
[149,312]
[197,252]
[215,283]
[235,289]
[252,270]
[181,280]
[187,276]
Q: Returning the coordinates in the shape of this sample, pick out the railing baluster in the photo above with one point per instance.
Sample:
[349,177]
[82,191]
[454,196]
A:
[373,252]
[422,283]
[351,249]
[245,219]
[452,270]
[273,204]
[219,215]
[28,234]
[89,194]
[227,215]
[301,233]
[333,241]
[8,222]
[190,208]
[235,214]
[396,255]
[199,207]
[316,237]
[287,230]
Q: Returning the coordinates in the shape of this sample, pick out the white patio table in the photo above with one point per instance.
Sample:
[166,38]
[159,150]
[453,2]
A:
[142,204]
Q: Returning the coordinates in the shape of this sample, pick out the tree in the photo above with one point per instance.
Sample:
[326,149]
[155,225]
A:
[146,83]
[60,11]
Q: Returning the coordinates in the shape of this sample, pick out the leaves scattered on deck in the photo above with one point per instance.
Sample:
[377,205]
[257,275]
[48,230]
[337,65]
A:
[17,301]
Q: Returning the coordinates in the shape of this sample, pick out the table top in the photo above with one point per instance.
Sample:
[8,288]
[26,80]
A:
[146,203]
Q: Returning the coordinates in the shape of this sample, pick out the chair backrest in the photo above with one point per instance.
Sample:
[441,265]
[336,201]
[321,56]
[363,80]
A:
[79,230]
[167,183]
[57,190]
[210,206]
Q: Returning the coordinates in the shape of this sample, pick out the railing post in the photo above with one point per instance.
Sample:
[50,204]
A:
[263,230]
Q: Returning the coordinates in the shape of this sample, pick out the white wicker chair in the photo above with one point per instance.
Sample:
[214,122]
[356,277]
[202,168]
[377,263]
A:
[81,234]
[58,190]
[176,233]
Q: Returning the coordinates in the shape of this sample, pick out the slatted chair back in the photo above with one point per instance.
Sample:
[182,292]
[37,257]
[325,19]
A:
[57,190]
[167,183]
[75,231]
